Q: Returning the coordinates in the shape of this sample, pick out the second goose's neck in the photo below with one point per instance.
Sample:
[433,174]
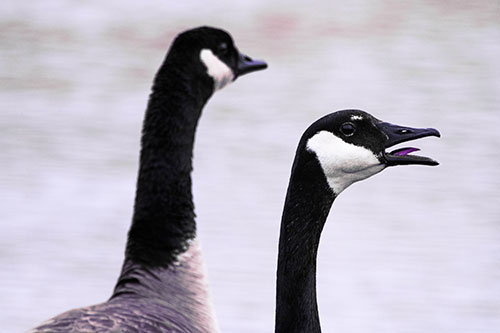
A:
[163,221]
[306,209]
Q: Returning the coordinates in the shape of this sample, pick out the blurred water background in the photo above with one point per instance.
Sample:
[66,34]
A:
[413,249]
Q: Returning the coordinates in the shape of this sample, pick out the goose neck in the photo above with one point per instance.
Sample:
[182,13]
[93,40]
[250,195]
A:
[306,208]
[163,220]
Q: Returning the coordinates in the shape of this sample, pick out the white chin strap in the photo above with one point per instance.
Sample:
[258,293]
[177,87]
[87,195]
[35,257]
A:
[217,69]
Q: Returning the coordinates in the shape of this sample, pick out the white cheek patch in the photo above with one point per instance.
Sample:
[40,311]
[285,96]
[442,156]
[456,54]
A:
[343,163]
[218,70]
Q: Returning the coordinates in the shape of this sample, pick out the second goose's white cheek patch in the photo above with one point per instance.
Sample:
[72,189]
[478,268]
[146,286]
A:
[217,69]
[343,163]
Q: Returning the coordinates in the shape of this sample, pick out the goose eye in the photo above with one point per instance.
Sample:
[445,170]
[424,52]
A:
[348,129]
[222,49]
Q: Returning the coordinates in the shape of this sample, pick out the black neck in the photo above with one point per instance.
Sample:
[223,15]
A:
[163,220]
[307,204]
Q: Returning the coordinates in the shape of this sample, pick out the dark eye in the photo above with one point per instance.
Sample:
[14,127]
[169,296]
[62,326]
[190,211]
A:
[222,49]
[348,129]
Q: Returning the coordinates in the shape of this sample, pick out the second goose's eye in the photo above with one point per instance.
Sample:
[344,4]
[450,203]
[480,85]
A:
[222,49]
[348,129]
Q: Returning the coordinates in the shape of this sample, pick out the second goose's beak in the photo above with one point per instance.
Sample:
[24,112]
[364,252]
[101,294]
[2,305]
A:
[247,65]
[396,134]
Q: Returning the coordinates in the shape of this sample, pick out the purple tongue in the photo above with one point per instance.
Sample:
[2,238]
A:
[404,151]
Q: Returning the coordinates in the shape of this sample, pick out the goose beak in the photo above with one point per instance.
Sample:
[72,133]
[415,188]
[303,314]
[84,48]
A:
[396,134]
[247,65]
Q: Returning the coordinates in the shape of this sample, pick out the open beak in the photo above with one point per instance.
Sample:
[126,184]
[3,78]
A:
[247,65]
[396,134]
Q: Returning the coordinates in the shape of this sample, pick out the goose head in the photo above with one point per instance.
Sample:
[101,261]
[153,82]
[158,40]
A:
[352,145]
[211,53]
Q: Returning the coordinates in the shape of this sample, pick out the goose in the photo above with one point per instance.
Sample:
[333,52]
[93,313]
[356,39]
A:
[334,152]
[162,286]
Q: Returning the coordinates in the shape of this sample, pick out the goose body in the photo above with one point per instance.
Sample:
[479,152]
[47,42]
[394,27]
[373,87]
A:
[162,286]
[335,151]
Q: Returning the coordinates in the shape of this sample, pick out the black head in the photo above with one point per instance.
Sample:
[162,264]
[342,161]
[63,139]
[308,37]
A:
[350,145]
[212,51]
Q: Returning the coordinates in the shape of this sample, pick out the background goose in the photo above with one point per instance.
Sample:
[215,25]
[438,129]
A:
[335,151]
[162,285]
